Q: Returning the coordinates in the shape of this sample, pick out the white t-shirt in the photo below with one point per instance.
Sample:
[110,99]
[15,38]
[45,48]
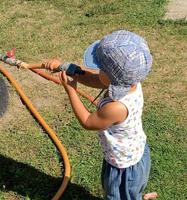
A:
[123,144]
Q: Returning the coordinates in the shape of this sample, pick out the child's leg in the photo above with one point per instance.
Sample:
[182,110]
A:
[135,178]
[128,183]
[111,180]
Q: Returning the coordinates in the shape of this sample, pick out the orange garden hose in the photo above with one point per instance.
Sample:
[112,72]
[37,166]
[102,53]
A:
[50,132]
[37,68]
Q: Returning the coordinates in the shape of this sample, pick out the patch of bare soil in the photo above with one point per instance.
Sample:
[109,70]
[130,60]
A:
[41,92]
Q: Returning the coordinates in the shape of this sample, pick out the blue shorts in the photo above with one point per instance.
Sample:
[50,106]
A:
[127,183]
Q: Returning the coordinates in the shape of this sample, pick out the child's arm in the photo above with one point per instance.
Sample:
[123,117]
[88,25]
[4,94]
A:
[90,78]
[108,115]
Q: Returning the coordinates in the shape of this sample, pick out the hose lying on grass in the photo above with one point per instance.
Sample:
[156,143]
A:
[37,68]
[50,132]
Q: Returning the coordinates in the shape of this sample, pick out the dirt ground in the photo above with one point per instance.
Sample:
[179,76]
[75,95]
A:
[176,9]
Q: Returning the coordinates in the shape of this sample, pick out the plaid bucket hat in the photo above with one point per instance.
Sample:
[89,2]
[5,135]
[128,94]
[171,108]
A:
[124,56]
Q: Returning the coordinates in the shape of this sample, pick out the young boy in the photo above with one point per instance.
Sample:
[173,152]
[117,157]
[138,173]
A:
[124,60]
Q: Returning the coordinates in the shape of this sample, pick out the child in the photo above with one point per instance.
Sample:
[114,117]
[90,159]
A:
[124,60]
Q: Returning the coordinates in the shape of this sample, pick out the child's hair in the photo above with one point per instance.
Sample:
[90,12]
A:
[124,56]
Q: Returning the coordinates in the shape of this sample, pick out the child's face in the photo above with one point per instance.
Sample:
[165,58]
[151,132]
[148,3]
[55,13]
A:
[104,78]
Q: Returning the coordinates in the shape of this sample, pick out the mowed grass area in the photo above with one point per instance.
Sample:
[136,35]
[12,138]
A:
[30,167]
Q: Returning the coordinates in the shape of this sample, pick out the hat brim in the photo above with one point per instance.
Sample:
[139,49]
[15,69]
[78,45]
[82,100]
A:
[90,57]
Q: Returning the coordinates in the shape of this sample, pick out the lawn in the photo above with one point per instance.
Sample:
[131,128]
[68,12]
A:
[30,166]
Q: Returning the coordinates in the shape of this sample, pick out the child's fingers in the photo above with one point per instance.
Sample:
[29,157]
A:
[46,64]
[64,76]
[60,76]
[51,64]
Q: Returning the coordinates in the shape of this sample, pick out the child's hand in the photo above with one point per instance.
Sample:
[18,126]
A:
[69,84]
[51,64]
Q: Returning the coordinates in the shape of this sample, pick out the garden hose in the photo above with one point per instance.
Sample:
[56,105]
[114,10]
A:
[37,68]
[50,132]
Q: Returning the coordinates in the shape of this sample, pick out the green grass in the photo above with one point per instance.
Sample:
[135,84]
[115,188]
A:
[168,147]
[30,166]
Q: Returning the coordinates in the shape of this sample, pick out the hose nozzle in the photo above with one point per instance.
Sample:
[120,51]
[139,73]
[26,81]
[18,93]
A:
[70,68]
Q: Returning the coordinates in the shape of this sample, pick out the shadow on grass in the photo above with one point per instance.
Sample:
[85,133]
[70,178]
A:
[28,181]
